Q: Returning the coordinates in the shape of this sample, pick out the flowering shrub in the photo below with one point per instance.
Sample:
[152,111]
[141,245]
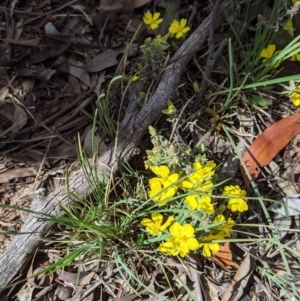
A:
[183,183]
[154,48]
[186,189]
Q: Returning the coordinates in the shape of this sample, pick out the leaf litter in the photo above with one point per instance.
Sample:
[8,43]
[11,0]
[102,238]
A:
[52,65]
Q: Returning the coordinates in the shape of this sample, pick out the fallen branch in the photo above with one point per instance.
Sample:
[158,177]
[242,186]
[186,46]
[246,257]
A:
[131,131]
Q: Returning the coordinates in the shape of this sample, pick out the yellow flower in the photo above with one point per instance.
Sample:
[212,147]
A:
[179,28]
[181,242]
[135,78]
[155,226]
[152,20]
[236,203]
[225,228]
[162,188]
[268,52]
[208,245]
[170,110]
[162,171]
[199,179]
[196,202]
[295,97]
[295,57]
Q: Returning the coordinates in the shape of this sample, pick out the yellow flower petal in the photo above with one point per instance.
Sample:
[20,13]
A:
[237,205]
[183,23]
[167,223]
[191,201]
[155,184]
[175,229]
[156,17]
[157,218]
[188,230]
[206,250]
[268,52]
[192,244]
[162,171]
[166,247]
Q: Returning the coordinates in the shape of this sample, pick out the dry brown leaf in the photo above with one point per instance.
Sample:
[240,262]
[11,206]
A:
[28,84]
[38,72]
[106,59]
[117,6]
[50,29]
[140,3]
[25,293]
[209,289]
[62,152]
[20,119]
[103,60]
[57,49]
[72,278]
[46,19]
[236,288]
[224,255]
[8,175]
[8,112]
[32,42]
[86,280]
[18,29]
[80,74]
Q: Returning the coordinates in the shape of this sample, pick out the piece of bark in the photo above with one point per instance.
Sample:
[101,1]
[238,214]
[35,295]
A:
[132,129]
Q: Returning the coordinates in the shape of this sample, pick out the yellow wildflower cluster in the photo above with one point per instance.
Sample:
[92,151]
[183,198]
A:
[177,28]
[189,189]
[154,48]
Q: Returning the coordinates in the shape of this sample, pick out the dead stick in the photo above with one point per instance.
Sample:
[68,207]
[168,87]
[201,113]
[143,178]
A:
[211,59]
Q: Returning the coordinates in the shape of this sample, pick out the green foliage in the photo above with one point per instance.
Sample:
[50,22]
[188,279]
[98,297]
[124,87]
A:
[257,100]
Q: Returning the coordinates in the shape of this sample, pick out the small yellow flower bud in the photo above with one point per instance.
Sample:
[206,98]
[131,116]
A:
[195,87]
[165,143]
[149,152]
[260,18]
[135,78]
[148,164]
[152,130]
[222,208]
[155,142]
[172,150]
[188,150]
[158,150]
[175,160]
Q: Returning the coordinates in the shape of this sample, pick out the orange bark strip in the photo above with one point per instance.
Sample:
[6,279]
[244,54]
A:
[267,145]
